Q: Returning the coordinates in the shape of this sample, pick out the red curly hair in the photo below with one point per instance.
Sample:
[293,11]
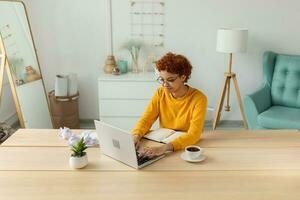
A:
[175,64]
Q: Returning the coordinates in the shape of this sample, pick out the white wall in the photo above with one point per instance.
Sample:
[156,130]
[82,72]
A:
[70,37]
[273,25]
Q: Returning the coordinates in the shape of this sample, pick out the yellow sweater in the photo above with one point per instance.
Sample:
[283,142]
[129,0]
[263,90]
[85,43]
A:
[184,114]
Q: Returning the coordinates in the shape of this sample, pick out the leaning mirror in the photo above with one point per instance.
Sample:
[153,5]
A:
[18,58]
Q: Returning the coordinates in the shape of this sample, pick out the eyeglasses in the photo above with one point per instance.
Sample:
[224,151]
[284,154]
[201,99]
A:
[169,81]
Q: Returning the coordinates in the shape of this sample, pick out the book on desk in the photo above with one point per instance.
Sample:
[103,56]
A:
[163,135]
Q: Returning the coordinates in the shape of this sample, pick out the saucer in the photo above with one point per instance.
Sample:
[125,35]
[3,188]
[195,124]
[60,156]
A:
[198,159]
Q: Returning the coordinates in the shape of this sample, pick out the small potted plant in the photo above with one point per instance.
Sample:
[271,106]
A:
[78,158]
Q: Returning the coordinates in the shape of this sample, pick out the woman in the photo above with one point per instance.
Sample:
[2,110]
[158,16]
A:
[177,105]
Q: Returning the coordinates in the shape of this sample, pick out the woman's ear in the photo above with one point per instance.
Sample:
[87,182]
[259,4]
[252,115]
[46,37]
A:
[183,78]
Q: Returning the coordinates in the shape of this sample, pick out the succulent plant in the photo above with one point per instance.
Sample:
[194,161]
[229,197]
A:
[78,148]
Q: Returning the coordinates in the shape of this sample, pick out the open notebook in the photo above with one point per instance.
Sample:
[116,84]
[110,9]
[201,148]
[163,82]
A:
[163,135]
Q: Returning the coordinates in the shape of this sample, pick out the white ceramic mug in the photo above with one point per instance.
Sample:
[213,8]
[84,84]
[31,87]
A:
[193,151]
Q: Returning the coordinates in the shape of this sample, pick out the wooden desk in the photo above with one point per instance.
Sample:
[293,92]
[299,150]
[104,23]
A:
[207,185]
[248,138]
[37,138]
[15,158]
[239,165]
[235,138]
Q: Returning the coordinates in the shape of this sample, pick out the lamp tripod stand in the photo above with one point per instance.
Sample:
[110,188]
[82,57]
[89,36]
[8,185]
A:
[226,92]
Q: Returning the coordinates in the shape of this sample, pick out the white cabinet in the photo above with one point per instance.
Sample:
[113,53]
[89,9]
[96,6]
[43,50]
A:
[123,98]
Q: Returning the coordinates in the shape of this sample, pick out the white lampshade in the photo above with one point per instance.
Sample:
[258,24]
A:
[232,40]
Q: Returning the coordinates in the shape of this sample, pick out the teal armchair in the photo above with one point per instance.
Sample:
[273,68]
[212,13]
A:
[276,104]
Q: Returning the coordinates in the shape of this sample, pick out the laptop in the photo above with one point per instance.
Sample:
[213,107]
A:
[119,145]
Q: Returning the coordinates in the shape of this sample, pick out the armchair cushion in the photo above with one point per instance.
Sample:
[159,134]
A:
[285,89]
[280,117]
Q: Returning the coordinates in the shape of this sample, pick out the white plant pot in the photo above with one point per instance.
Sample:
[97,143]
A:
[78,162]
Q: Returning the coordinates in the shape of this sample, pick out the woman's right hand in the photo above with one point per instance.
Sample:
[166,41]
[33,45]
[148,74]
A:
[137,139]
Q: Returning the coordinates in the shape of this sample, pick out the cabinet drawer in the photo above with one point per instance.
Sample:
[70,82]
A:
[125,123]
[126,90]
[117,107]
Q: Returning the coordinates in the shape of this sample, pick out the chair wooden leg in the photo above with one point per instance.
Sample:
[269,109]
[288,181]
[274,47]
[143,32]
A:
[220,105]
[238,95]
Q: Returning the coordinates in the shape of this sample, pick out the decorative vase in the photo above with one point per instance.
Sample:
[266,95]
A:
[78,162]
[135,65]
[122,65]
[110,64]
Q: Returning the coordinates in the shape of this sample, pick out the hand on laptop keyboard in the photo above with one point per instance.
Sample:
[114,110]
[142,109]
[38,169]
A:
[142,159]
[152,151]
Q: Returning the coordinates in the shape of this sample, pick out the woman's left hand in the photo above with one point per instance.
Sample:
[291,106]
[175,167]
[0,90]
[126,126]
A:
[155,151]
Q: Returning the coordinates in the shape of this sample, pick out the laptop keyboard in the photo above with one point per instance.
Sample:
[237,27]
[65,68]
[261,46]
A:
[142,160]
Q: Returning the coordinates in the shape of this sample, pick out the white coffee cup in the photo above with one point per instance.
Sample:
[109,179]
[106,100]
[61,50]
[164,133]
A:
[193,151]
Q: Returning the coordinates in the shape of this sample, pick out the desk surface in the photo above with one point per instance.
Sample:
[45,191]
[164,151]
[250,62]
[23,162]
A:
[207,185]
[15,158]
[239,165]
[37,137]
[236,138]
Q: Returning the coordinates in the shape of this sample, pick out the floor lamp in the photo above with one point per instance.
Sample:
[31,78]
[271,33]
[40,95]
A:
[230,41]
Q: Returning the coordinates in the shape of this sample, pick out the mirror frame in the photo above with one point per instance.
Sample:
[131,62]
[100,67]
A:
[5,66]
